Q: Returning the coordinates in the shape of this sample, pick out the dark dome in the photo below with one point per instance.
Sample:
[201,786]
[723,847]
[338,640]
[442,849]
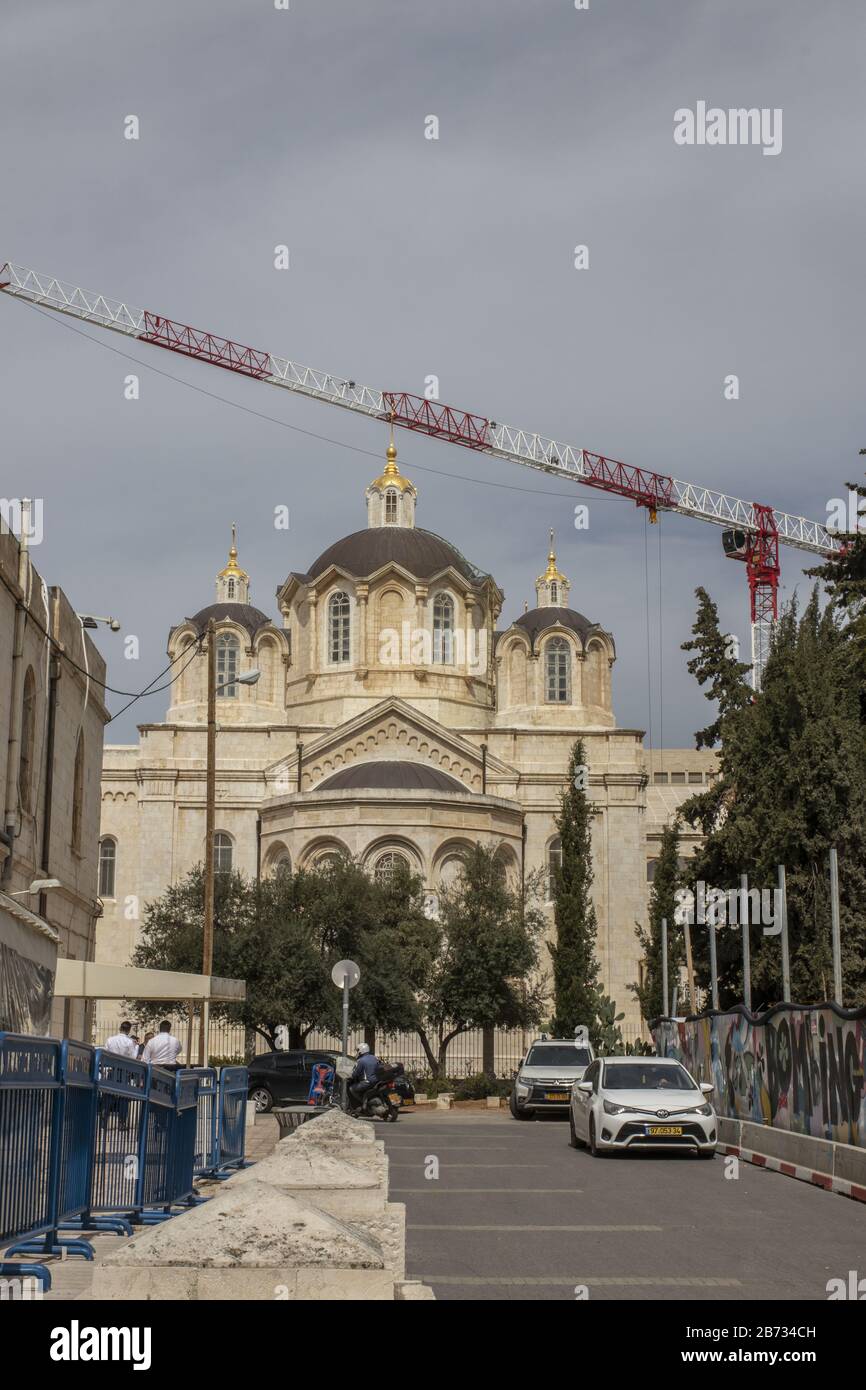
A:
[392,773]
[537,619]
[419,552]
[244,613]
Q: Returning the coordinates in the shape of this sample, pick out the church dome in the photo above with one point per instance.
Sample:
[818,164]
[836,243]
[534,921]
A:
[242,613]
[420,552]
[537,619]
[392,774]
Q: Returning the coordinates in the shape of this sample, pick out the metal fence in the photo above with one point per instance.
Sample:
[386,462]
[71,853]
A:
[93,1141]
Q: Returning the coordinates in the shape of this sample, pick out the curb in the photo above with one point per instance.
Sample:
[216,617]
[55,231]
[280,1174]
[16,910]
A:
[796,1170]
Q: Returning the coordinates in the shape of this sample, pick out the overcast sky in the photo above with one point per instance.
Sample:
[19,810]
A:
[412,257]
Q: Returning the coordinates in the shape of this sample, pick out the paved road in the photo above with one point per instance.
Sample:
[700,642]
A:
[515,1213]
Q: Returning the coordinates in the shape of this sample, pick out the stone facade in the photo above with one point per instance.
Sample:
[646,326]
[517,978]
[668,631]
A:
[391,717]
[52,715]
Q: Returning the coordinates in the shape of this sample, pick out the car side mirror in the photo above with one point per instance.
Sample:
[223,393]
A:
[585,1087]
[707,1087]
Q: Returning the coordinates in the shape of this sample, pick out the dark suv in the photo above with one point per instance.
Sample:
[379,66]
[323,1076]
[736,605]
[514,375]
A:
[280,1078]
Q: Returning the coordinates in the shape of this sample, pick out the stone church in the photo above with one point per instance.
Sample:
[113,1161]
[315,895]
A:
[394,717]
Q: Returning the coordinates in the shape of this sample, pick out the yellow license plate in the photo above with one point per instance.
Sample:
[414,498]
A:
[556,1095]
[664,1131]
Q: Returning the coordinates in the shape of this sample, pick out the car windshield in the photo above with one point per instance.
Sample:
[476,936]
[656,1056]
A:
[557,1055]
[644,1076]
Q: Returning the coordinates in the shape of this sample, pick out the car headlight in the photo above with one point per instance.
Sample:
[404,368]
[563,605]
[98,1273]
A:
[611,1109]
[704,1110]
[521,1084]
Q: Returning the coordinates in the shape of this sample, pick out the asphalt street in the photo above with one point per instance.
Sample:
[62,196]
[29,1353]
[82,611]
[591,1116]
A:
[515,1213]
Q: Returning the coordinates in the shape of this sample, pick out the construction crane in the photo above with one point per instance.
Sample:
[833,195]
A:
[753,531]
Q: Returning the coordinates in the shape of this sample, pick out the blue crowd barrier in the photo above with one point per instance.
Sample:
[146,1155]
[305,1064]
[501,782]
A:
[232,1121]
[93,1141]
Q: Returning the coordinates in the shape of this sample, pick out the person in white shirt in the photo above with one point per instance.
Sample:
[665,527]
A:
[122,1043]
[163,1050]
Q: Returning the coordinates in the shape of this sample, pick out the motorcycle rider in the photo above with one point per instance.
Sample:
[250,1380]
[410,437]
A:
[364,1075]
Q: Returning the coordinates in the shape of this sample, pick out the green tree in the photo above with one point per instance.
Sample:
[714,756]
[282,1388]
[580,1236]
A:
[792,784]
[575,966]
[489,951]
[662,905]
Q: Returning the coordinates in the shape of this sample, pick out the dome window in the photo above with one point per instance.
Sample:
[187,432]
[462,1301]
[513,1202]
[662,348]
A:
[339,627]
[443,629]
[223,853]
[228,653]
[391,507]
[557,663]
[388,864]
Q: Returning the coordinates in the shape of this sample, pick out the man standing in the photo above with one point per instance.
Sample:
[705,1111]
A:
[122,1043]
[162,1050]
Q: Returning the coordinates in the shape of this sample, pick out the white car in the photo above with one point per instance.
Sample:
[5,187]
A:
[546,1074]
[641,1103]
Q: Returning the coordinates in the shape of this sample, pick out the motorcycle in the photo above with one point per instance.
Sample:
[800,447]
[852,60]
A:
[376,1102]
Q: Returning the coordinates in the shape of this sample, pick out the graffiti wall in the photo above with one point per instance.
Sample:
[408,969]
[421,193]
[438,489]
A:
[800,1069]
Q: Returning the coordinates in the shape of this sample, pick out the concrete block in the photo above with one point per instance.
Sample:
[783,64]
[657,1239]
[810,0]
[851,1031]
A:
[340,1285]
[250,1225]
[388,1229]
[321,1176]
[849,1164]
[142,1283]
[413,1291]
[444,1101]
[251,1114]
[494,1102]
[789,1148]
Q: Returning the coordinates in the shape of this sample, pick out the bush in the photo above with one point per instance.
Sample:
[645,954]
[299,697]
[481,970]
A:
[475,1087]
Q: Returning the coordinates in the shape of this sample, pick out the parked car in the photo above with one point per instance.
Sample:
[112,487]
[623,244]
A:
[283,1078]
[641,1103]
[546,1075]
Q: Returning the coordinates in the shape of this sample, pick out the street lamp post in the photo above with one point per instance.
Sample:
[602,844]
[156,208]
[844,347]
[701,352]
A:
[249,678]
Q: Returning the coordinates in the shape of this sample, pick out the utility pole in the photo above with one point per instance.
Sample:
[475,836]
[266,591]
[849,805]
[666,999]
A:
[786,957]
[834,919]
[210,815]
[747,955]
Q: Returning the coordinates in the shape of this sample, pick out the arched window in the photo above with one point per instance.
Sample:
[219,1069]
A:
[554,592]
[387,865]
[339,627]
[554,865]
[391,507]
[558,671]
[107,866]
[78,793]
[28,729]
[443,629]
[222,853]
[228,655]
[230,589]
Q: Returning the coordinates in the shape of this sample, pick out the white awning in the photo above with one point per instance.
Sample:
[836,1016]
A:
[87,979]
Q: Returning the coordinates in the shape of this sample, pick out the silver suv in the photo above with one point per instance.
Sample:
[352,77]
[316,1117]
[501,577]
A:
[547,1073]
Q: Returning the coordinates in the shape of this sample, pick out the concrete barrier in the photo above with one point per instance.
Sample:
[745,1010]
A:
[836,1167]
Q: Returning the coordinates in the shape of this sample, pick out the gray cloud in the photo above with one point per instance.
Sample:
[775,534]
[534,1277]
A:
[412,257]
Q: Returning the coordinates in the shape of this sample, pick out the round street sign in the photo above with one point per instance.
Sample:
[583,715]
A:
[345,967]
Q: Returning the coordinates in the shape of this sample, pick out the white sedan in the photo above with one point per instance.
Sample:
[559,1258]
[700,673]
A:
[641,1103]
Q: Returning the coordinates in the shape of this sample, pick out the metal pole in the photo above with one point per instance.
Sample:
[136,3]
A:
[690,967]
[783,913]
[714,973]
[344,1080]
[210,812]
[747,955]
[834,918]
[665,967]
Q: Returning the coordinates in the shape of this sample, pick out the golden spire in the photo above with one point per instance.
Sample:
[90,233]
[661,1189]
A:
[392,477]
[551,572]
[233,569]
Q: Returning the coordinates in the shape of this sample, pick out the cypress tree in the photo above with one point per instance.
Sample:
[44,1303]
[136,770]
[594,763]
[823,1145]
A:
[575,966]
[662,904]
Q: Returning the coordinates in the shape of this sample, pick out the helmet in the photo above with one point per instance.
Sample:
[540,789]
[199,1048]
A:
[361,1049]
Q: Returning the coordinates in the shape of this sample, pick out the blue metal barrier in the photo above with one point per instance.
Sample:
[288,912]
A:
[232,1121]
[29,1101]
[206,1157]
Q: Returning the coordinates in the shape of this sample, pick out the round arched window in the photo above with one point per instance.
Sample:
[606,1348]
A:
[388,864]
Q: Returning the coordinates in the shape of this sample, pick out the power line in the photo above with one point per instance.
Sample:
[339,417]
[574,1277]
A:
[156,689]
[285,424]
